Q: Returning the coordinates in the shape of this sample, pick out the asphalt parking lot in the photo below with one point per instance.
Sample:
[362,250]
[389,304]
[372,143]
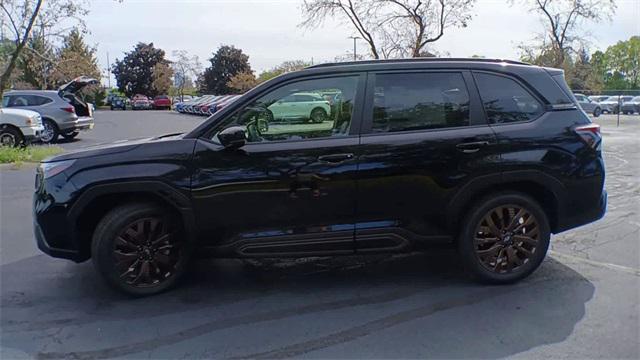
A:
[584,301]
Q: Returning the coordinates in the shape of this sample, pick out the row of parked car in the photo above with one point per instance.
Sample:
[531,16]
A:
[140,102]
[599,104]
[204,105]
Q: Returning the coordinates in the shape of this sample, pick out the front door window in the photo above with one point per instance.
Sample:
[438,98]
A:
[306,109]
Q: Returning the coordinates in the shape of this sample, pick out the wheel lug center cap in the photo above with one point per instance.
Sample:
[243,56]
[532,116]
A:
[507,239]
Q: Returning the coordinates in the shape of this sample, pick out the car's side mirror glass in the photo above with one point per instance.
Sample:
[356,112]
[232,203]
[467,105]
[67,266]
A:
[233,137]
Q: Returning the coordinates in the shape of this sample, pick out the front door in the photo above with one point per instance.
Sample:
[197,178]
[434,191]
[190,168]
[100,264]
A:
[291,188]
[424,136]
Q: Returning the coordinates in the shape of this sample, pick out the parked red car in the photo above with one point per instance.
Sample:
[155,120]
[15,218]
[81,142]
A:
[162,102]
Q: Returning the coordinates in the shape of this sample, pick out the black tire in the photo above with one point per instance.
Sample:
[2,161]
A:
[50,133]
[472,242]
[597,112]
[111,107]
[70,135]
[10,136]
[318,115]
[110,241]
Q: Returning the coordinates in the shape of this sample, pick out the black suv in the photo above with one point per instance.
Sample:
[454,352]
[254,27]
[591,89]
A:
[490,155]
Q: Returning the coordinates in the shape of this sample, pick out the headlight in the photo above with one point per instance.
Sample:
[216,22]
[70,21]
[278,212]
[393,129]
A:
[33,121]
[50,169]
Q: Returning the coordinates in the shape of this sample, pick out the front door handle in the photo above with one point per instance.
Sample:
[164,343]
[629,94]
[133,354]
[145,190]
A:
[335,158]
[471,147]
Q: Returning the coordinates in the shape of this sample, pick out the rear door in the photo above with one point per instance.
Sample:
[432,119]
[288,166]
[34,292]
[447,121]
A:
[424,136]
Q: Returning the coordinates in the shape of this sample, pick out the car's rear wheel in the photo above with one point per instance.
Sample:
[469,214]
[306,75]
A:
[504,238]
[70,135]
[140,249]
[50,133]
[597,112]
[318,115]
[10,137]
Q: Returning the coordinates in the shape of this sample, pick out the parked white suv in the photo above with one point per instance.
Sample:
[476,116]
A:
[301,106]
[19,127]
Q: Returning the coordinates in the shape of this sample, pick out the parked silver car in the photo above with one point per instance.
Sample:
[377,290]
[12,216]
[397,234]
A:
[589,106]
[613,103]
[63,113]
[598,98]
[631,106]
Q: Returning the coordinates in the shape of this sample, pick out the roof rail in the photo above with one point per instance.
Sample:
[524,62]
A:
[417,59]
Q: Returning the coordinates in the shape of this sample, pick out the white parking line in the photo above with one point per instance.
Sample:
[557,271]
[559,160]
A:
[626,269]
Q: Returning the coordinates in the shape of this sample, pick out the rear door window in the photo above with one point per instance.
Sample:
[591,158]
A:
[505,100]
[418,101]
[35,100]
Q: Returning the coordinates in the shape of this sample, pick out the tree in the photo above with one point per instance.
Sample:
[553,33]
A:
[75,58]
[392,28]
[162,74]
[563,34]
[18,17]
[225,63]
[624,58]
[285,67]
[36,64]
[581,70]
[242,82]
[56,19]
[134,73]
[184,67]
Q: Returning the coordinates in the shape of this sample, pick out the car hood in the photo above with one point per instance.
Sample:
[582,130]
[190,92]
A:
[77,84]
[110,148]
[19,112]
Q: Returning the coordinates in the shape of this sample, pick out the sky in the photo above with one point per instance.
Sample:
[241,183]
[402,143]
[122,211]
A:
[268,31]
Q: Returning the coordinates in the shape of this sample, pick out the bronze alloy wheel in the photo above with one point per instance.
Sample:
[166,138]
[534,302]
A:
[506,238]
[146,252]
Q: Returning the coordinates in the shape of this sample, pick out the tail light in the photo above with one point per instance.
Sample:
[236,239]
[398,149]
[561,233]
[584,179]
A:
[590,134]
[69,109]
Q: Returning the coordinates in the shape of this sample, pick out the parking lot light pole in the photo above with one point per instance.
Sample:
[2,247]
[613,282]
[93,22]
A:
[354,46]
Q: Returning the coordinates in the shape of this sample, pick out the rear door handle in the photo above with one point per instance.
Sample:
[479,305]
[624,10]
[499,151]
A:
[471,147]
[335,158]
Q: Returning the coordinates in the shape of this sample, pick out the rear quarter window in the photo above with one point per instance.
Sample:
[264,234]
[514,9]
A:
[505,100]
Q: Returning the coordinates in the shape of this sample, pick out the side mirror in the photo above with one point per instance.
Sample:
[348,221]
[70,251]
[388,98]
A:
[233,137]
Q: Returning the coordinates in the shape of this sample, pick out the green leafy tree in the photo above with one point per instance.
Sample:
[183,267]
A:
[37,63]
[75,58]
[225,64]
[134,73]
[581,71]
[162,74]
[242,82]
[623,58]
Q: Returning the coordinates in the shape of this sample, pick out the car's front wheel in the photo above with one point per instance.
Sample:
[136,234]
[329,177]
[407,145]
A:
[140,249]
[504,238]
[597,112]
[10,136]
